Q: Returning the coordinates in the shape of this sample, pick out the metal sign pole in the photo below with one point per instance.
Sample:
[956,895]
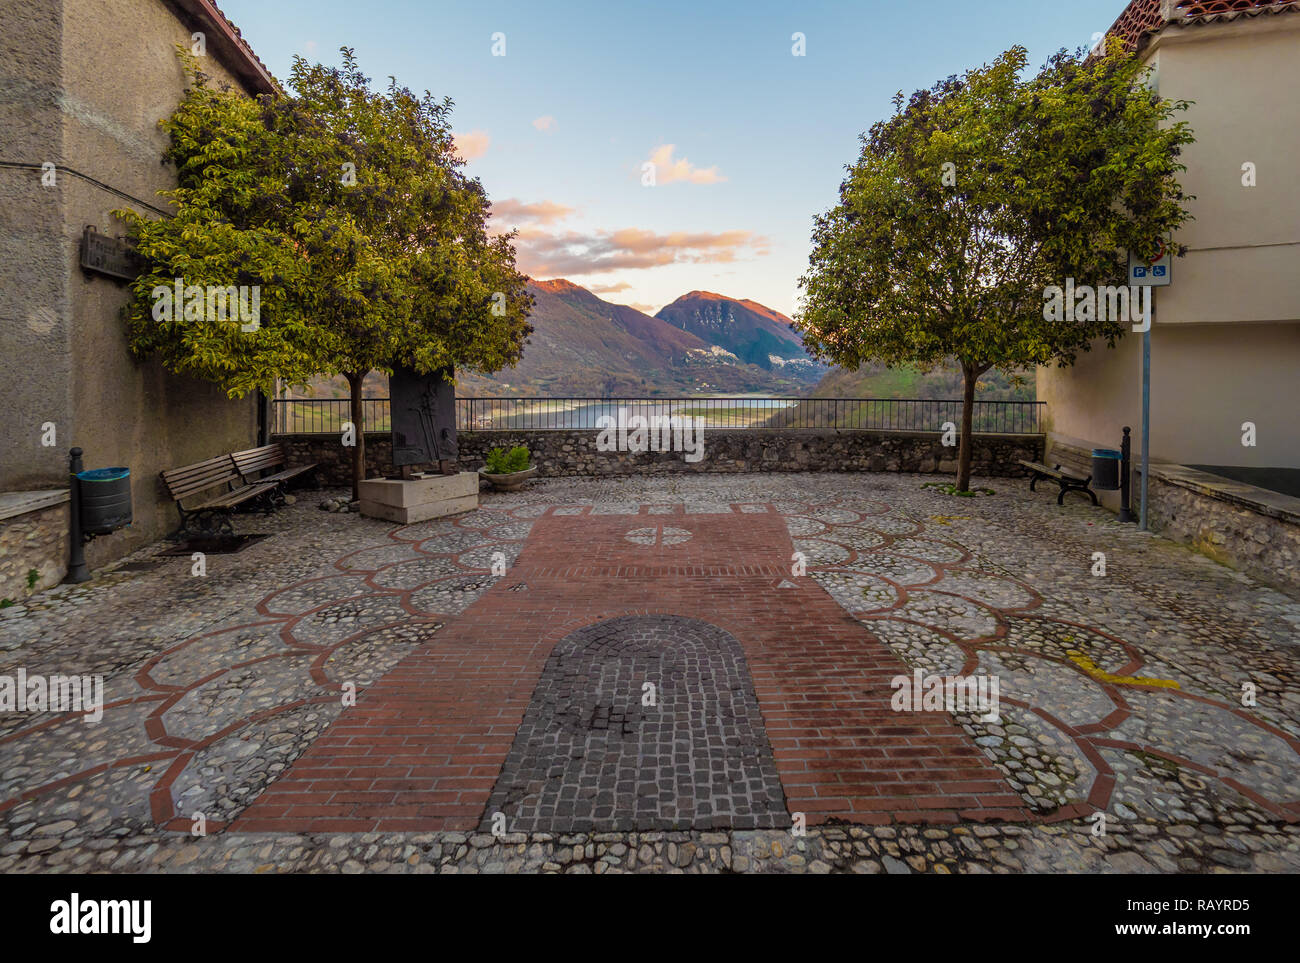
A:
[1151,274]
[1146,415]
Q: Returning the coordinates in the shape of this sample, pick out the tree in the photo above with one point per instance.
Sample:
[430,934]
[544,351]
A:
[348,211]
[976,197]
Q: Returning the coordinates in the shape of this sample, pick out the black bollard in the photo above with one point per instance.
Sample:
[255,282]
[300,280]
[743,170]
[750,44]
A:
[1126,478]
[77,571]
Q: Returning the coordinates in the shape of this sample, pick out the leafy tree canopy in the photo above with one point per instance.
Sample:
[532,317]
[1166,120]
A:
[351,213]
[977,195]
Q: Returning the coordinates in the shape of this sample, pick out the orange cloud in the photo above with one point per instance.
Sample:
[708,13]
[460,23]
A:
[573,253]
[545,122]
[473,144]
[667,169]
[514,211]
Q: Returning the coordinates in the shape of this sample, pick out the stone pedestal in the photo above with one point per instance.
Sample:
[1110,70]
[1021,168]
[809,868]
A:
[419,499]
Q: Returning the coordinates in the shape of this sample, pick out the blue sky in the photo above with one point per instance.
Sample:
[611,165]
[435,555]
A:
[749,141]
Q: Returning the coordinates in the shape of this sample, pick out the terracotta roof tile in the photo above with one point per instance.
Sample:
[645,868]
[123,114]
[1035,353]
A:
[1138,19]
[242,42]
[1142,19]
[252,71]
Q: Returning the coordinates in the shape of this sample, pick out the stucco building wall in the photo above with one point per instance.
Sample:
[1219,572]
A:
[1225,345]
[93,80]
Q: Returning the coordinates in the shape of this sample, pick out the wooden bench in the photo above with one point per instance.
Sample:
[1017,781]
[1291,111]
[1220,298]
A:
[268,458]
[212,514]
[1068,480]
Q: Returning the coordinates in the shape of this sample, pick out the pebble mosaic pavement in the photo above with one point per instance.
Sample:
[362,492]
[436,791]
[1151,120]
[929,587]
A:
[1120,694]
[591,756]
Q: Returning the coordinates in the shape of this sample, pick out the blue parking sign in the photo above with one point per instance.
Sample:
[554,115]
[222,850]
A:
[1143,271]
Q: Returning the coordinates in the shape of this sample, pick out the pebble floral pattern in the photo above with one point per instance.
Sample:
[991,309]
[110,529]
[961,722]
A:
[215,685]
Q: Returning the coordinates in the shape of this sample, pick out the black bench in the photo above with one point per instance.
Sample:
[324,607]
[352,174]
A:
[268,458]
[212,514]
[1068,480]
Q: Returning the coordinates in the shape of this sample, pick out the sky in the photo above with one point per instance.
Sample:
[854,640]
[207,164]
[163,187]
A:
[560,105]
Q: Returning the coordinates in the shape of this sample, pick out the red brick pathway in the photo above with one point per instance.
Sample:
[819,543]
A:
[423,747]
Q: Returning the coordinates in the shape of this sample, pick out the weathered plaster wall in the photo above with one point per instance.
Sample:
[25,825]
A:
[1226,341]
[35,337]
[93,79]
[127,412]
[1206,381]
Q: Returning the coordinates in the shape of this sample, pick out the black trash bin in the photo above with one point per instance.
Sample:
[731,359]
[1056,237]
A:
[105,499]
[1105,469]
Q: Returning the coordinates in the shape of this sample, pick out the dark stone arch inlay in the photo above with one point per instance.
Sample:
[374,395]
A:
[589,757]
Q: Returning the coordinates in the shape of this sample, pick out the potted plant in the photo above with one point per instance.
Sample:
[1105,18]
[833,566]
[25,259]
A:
[508,470]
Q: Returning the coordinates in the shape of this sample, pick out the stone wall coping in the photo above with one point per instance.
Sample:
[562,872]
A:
[21,503]
[807,432]
[1260,500]
[1079,450]
[572,451]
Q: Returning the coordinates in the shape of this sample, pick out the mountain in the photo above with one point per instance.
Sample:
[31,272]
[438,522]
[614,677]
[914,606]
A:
[751,331]
[583,345]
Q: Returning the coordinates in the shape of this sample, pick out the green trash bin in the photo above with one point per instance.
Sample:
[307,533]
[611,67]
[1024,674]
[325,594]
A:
[105,499]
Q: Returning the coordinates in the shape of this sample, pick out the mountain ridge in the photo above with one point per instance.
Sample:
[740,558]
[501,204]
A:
[582,344]
[753,332]
[585,346]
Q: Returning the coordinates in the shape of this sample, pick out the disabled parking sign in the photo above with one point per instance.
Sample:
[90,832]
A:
[1156,273]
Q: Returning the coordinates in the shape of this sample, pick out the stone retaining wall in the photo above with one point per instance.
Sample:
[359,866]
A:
[35,539]
[573,452]
[1253,529]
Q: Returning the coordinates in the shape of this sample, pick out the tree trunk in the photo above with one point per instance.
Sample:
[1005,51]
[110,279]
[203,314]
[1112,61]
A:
[355,384]
[969,377]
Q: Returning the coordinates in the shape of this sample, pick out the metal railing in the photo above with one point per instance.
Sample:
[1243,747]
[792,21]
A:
[328,415]
[320,416]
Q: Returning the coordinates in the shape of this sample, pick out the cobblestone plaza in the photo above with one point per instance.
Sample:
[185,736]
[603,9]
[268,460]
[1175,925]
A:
[672,674]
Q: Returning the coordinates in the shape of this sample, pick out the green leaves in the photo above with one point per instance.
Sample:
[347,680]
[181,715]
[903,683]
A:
[502,462]
[1048,178]
[351,211]
[979,193]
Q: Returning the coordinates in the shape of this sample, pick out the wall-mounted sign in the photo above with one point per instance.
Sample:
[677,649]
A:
[1157,273]
[113,257]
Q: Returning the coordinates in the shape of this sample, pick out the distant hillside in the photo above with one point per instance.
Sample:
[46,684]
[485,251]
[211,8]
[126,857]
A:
[751,331]
[878,381]
[584,346]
